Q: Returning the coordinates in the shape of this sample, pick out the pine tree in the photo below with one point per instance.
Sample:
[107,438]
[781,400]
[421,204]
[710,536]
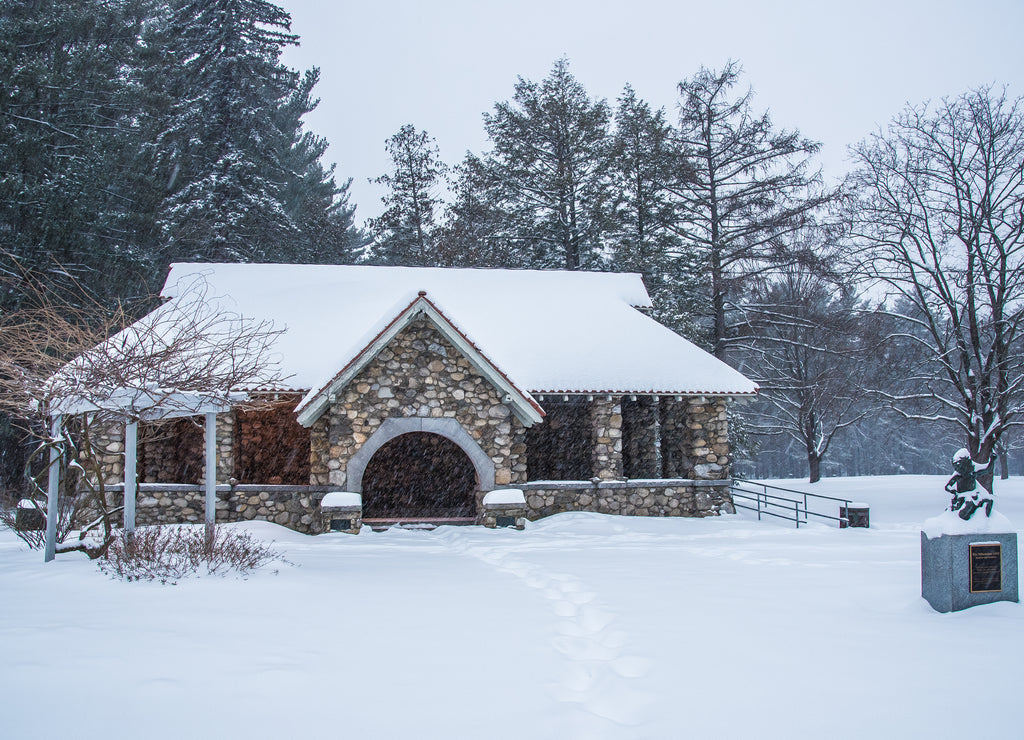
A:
[547,171]
[644,164]
[405,233]
[316,205]
[66,141]
[219,149]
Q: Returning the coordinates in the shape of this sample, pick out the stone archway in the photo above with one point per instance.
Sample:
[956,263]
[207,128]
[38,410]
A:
[421,475]
[397,426]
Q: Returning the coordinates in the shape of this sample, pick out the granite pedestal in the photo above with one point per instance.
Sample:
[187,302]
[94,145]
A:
[954,578]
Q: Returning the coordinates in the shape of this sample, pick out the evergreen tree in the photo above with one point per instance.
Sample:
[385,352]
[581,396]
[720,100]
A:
[472,234]
[220,147]
[316,205]
[405,234]
[66,141]
[644,164]
[548,170]
[746,188]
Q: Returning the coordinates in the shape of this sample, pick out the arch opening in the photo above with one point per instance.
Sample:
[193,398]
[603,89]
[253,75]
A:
[419,474]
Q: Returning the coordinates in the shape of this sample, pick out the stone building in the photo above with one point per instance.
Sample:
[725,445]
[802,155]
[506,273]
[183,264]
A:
[423,389]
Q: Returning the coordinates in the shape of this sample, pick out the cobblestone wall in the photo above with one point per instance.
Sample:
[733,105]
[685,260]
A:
[606,437]
[679,497]
[694,438]
[418,374]
[295,507]
[109,444]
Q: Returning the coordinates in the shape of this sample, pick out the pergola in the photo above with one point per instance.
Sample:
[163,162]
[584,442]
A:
[133,406]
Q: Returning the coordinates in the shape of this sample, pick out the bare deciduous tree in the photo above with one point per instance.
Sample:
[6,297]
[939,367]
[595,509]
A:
[938,216]
[806,346]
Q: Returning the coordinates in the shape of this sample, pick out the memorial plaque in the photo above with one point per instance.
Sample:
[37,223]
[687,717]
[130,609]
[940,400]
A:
[505,521]
[341,525]
[986,568]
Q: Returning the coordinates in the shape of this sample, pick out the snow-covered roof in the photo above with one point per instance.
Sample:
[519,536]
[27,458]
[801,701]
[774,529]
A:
[547,331]
[522,403]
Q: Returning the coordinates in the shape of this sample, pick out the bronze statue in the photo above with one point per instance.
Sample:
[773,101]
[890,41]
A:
[967,498]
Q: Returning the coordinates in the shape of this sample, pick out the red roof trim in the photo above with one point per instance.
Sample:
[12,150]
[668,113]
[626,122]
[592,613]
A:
[621,392]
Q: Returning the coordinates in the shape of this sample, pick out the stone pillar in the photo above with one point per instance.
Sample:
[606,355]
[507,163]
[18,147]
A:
[319,452]
[641,455]
[225,425]
[343,439]
[108,442]
[225,446]
[518,458]
[674,460]
[606,438]
[708,443]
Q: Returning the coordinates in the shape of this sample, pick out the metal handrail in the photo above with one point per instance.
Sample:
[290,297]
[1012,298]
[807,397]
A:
[764,500]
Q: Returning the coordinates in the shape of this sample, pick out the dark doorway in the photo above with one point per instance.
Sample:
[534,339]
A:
[419,475]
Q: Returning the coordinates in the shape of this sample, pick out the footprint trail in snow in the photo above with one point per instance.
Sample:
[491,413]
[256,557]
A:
[598,676]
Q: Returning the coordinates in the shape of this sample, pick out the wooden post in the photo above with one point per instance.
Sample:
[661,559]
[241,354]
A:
[211,475]
[53,494]
[131,440]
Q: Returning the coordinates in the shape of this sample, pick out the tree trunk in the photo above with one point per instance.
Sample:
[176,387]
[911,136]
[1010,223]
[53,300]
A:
[814,464]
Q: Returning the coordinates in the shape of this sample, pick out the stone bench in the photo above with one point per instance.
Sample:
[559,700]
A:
[341,511]
[504,508]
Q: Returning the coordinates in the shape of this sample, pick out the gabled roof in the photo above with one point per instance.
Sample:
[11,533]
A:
[548,331]
[523,405]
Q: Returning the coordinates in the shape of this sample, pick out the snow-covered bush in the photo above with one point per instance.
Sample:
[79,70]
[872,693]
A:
[170,553]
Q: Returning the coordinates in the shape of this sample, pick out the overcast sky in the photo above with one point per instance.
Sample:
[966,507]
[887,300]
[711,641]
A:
[835,71]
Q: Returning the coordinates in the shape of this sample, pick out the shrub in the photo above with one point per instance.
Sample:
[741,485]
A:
[167,554]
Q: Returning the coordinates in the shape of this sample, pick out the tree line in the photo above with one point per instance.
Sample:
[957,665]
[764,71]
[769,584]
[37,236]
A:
[137,133]
[880,315]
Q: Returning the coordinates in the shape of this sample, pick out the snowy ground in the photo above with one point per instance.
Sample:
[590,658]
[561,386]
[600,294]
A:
[582,626]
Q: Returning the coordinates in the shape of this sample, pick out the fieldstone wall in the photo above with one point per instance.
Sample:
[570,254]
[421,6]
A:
[418,374]
[108,440]
[678,497]
[295,507]
[491,514]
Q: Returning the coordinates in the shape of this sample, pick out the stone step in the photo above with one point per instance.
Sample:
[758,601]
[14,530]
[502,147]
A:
[380,524]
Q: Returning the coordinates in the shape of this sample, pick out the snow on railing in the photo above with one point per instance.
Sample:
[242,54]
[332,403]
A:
[796,507]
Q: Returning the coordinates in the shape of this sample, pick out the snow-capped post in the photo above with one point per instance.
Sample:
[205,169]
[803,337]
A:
[211,475]
[131,440]
[968,560]
[53,491]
